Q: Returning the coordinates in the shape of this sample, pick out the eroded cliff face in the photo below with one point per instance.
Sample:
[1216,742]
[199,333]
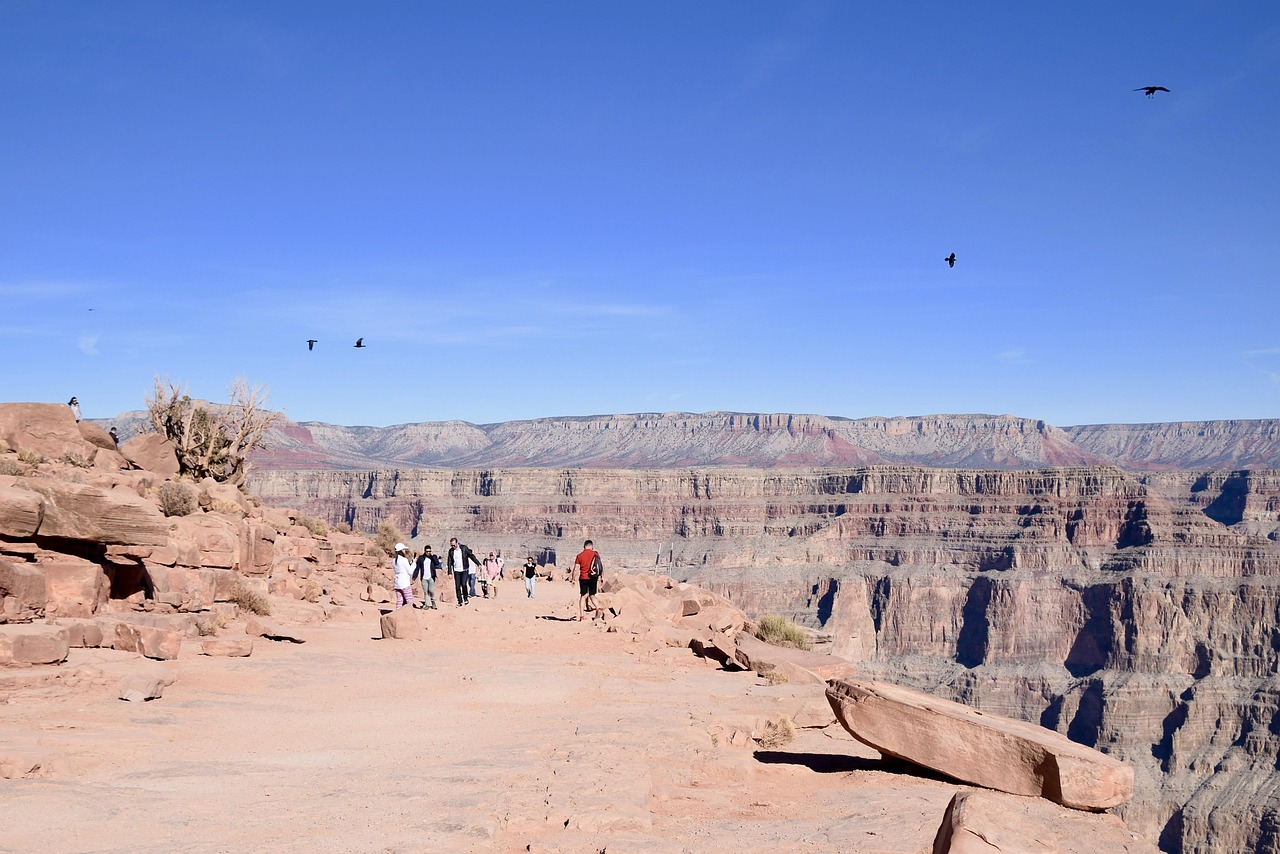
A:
[1139,613]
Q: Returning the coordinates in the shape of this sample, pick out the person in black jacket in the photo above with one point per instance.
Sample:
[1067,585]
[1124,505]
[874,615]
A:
[459,561]
[427,570]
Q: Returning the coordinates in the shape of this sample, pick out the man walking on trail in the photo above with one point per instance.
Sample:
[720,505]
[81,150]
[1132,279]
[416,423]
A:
[461,559]
[589,568]
[427,569]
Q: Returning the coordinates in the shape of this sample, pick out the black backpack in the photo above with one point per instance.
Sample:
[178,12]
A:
[597,567]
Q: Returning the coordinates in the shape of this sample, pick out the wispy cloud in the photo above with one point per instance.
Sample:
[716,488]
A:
[89,344]
[1014,356]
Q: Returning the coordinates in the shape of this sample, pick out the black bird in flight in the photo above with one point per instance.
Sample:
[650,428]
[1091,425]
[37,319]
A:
[311,343]
[1151,90]
[950,259]
[360,343]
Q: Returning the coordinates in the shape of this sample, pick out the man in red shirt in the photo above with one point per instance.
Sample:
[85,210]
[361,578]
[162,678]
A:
[588,565]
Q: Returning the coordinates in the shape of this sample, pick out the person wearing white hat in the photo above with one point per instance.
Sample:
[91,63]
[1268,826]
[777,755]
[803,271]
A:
[403,577]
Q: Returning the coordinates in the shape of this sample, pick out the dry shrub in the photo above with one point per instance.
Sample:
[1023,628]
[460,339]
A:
[311,591]
[176,499]
[4,447]
[10,466]
[780,631]
[373,576]
[250,600]
[210,624]
[777,733]
[71,458]
[29,458]
[315,526]
[227,508]
[342,528]
[774,677]
[387,537]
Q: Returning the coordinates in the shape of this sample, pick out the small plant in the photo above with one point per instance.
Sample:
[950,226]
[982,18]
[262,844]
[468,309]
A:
[29,458]
[777,733]
[311,591]
[227,508]
[780,631]
[210,624]
[71,458]
[11,467]
[315,526]
[4,447]
[373,576]
[176,499]
[342,528]
[250,600]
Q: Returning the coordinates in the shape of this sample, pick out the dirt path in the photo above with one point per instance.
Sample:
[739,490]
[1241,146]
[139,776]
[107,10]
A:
[510,728]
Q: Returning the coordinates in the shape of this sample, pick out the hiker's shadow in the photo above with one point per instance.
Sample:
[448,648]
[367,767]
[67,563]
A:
[836,763]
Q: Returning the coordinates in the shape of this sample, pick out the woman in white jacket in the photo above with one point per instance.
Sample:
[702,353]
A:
[403,577]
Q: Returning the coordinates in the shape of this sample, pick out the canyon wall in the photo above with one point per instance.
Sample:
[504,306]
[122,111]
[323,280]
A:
[1135,612]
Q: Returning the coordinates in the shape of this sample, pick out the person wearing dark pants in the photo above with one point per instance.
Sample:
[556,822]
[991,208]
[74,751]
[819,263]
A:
[462,562]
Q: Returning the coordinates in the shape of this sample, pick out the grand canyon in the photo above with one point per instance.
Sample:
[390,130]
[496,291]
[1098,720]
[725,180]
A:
[1116,583]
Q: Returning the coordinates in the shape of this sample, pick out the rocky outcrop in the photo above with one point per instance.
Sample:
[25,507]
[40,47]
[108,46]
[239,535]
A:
[987,750]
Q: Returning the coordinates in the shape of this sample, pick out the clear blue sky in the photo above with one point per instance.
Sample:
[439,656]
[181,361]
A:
[537,209]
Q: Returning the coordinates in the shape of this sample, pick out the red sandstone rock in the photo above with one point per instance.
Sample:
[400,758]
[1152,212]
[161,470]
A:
[23,645]
[160,644]
[90,513]
[987,750]
[152,452]
[21,511]
[258,627]
[81,633]
[47,429]
[73,587]
[217,538]
[797,665]
[227,647]
[22,588]
[137,689]
[978,822]
[96,436]
[401,624]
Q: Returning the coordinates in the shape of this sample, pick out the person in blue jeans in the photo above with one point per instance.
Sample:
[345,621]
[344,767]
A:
[530,576]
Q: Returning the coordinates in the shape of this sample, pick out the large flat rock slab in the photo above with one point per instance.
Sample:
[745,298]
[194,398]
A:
[980,822]
[987,750]
[23,645]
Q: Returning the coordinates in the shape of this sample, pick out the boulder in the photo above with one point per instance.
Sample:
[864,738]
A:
[217,539]
[717,646]
[401,624]
[137,689]
[73,587]
[24,584]
[152,452]
[222,497]
[227,647]
[36,643]
[21,512]
[157,643]
[978,822]
[48,429]
[81,633]
[987,750]
[75,511]
[95,435]
[798,665]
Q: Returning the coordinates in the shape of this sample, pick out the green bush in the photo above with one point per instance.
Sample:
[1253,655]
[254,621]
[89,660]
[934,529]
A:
[780,631]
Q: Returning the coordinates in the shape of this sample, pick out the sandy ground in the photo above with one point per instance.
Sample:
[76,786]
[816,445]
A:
[510,728]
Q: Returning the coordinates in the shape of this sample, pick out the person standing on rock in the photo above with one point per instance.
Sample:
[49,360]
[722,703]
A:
[530,576]
[75,408]
[589,567]
[462,563]
[403,580]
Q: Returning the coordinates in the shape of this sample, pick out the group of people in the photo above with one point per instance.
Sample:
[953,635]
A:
[468,572]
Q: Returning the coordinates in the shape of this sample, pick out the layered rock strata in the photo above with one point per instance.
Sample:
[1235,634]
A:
[1134,612]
